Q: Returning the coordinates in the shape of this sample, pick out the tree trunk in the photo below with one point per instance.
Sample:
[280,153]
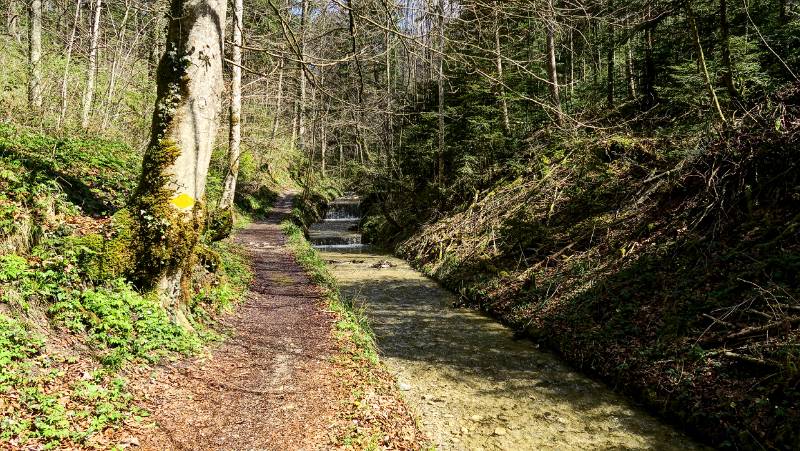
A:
[552,71]
[648,88]
[302,107]
[12,20]
[35,54]
[571,86]
[88,95]
[116,61]
[610,67]
[630,79]
[235,140]
[499,64]
[701,60]
[727,65]
[323,144]
[278,101]
[440,85]
[65,80]
[169,201]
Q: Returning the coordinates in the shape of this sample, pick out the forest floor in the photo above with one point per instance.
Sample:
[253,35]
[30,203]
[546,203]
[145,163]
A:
[276,382]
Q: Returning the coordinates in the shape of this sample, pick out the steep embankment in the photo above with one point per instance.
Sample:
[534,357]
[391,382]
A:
[71,326]
[672,275]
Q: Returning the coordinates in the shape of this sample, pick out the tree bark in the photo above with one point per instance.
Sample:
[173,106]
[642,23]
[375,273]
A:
[169,202]
[35,54]
[701,59]
[440,86]
[610,67]
[302,107]
[629,77]
[648,88]
[727,65]
[278,100]
[499,64]
[235,138]
[88,95]
[65,80]
[552,70]
[12,20]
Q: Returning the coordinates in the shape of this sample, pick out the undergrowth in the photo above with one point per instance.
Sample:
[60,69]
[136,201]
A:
[69,320]
[665,265]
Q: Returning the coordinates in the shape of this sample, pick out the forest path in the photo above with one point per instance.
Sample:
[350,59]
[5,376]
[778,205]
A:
[270,385]
[473,386]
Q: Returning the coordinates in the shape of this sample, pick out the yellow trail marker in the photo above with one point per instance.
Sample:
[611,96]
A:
[183,201]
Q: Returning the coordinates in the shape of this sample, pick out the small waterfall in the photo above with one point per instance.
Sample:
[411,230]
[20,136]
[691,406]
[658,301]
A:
[339,229]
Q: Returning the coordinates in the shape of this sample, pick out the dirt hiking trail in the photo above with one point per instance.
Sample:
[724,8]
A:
[271,384]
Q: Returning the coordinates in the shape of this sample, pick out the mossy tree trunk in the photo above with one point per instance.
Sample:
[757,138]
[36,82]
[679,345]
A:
[169,202]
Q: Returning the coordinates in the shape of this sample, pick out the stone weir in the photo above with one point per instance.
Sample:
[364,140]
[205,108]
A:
[339,229]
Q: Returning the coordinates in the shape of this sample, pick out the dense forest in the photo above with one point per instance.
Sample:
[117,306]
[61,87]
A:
[616,181]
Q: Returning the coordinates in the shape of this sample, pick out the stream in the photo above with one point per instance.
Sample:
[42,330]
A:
[471,384]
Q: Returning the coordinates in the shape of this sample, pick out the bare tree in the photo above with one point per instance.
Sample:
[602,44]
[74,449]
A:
[35,54]
[65,78]
[552,72]
[88,94]
[235,139]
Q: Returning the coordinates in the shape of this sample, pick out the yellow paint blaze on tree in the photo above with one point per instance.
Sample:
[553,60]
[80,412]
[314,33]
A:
[183,201]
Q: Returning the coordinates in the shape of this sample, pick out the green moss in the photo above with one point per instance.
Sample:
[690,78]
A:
[208,258]
[109,254]
[220,224]
[165,236]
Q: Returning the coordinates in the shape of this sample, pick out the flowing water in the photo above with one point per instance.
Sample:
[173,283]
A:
[473,385]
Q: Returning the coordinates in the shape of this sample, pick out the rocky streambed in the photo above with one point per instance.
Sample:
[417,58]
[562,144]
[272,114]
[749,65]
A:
[471,383]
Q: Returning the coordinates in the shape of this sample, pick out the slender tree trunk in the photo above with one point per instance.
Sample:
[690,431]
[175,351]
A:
[701,59]
[727,65]
[301,116]
[440,85]
[571,86]
[12,20]
[117,59]
[169,202]
[499,64]
[88,95]
[631,80]
[648,88]
[552,71]
[235,139]
[65,80]
[610,67]
[323,144]
[278,101]
[35,54]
